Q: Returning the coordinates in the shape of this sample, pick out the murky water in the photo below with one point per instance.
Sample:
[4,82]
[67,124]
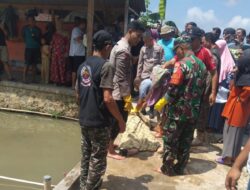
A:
[33,146]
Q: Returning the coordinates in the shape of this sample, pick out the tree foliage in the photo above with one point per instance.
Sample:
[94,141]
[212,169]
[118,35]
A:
[149,18]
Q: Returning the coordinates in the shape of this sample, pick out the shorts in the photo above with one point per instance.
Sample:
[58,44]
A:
[32,56]
[4,54]
[77,61]
[144,88]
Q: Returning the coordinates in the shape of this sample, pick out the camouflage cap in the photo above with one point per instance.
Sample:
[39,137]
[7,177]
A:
[182,40]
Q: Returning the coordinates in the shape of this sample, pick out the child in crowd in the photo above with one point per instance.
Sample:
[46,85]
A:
[45,51]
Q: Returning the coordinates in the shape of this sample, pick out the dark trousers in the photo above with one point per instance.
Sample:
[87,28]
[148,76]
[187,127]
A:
[76,62]
[177,138]
[202,122]
[94,146]
[115,129]
[133,76]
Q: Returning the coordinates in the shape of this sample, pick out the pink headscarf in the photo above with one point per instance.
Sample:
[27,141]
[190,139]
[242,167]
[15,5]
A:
[227,61]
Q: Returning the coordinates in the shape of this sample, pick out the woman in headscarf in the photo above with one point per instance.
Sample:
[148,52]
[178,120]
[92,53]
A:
[236,112]
[225,68]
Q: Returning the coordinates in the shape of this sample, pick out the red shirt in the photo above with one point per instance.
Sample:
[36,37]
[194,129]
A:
[207,58]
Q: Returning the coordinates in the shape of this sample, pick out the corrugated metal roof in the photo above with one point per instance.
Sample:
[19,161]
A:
[54,2]
[137,5]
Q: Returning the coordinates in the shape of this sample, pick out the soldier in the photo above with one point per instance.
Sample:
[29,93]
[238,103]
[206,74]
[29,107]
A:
[183,98]
[121,59]
[94,94]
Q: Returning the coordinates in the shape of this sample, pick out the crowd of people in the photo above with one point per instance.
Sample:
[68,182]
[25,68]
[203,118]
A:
[192,80]
[55,53]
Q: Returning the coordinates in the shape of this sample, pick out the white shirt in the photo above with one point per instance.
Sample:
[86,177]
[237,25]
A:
[76,48]
[222,95]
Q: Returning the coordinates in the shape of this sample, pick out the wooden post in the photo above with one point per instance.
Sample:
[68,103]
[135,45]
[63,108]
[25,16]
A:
[47,182]
[126,11]
[90,24]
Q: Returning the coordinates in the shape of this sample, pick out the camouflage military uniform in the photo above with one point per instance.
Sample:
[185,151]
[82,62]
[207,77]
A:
[178,136]
[184,95]
[94,145]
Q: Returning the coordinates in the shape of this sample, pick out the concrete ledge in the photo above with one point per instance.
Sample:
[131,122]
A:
[40,98]
[71,179]
[39,88]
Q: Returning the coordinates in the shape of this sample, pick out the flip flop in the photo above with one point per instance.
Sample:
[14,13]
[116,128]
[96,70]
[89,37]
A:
[221,160]
[220,141]
[116,156]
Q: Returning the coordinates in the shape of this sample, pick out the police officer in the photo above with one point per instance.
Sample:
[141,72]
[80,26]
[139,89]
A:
[121,59]
[94,94]
[151,54]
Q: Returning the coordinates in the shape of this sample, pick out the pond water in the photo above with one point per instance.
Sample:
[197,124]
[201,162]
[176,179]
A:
[33,146]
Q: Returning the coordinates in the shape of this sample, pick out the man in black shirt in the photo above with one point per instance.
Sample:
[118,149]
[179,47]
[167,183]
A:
[94,94]
[4,53]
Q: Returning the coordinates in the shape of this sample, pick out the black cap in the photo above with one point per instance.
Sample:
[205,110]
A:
[102,38]
[195,32]
[229,31]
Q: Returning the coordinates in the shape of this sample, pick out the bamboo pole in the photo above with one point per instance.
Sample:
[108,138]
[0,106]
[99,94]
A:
[126,11]
[90,23]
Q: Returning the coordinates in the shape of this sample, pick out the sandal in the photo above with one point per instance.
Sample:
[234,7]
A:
[223,161]
[220,141]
